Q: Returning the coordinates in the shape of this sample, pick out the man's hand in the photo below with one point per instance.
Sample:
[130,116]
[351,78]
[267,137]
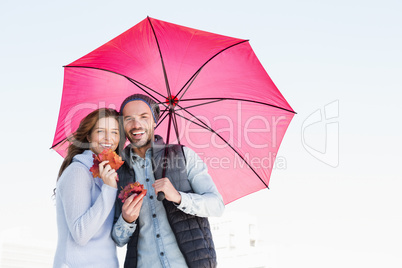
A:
[164,185]
[131,209]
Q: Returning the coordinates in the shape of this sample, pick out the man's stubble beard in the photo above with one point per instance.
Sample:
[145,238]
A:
[138,144]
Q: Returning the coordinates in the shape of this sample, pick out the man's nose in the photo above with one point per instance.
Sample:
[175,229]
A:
[136,123]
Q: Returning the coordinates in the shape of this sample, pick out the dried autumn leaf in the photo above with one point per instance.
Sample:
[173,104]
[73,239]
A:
[130,189]
[114,159]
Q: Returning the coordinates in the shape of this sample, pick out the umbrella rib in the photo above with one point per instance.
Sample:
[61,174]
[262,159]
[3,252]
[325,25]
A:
[198,124]
[196,105]
[135,82]
[62,141]
[174,123]
[176,128]
[190,82]
[161,120]
[235,99]
[160,53]
[164,111]
[138,83]
[169,125]
[213,131]
[202,66]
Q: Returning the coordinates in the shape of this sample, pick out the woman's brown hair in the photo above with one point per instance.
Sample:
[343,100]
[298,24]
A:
[79,141]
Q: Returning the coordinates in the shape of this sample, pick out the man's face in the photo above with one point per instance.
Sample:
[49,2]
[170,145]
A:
[138,123]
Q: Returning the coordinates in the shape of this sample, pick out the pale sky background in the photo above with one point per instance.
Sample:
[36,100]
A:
[344,54]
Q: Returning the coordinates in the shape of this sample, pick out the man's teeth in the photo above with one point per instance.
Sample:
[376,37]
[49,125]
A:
[138,133]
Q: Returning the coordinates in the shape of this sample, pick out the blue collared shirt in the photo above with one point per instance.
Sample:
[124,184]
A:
[157,246]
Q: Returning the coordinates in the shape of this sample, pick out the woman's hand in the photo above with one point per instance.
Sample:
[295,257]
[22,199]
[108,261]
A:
[108,174]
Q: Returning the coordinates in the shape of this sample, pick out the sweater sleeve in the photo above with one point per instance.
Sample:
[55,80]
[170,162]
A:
[83,218]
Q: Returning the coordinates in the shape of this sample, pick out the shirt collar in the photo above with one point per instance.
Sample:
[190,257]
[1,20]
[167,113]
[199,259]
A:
[135,157]
[157,146]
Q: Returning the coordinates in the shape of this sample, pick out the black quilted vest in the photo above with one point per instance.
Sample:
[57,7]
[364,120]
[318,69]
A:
[193,234]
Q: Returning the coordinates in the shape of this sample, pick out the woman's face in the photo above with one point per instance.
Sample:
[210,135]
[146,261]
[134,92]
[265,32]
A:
[105,135]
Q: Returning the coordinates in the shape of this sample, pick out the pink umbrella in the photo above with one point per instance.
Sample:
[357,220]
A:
[215,98]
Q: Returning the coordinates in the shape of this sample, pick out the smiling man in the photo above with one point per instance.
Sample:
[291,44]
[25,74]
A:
[174,232]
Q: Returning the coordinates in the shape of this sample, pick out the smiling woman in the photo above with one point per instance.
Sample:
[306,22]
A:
[104,135]
[85,205]
[80,140]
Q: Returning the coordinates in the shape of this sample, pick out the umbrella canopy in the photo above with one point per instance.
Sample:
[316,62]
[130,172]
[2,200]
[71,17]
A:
[214,94]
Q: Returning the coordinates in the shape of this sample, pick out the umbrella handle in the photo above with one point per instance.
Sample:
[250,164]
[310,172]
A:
[161,196]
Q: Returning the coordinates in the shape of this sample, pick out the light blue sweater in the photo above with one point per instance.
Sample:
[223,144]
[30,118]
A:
[85,209]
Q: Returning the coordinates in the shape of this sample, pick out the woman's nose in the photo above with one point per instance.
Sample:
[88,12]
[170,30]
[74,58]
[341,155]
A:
[107,135]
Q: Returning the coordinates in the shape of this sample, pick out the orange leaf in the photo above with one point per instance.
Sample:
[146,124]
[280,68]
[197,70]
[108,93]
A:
[131,188]
[115,161]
